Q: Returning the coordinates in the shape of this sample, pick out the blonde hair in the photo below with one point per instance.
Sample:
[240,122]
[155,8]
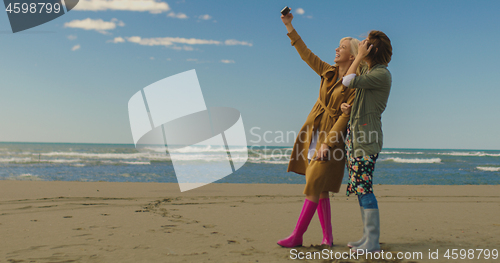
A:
[354,51]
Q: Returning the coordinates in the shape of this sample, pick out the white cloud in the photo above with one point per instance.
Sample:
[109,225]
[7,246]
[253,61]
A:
[177,43]
[116,40]
[98,24]
[71,37]
[197,61]
[178,15]
[170,41]
[205,17]
[75,47]
[227,61]
[118,22]
[152,6]
[186,48]
[152,58]
[233,42]
[300,11]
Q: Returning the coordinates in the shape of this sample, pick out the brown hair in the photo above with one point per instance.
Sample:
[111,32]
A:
[382,50]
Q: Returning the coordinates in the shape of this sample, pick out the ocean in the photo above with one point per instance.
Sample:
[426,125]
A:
[123,163]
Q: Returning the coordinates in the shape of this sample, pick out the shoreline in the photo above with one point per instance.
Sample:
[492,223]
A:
[58,221]
[9,189]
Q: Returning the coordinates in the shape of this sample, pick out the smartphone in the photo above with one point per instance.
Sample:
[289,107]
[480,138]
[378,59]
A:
[285,11]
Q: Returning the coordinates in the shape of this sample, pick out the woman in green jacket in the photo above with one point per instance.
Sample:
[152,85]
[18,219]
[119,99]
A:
[364,130]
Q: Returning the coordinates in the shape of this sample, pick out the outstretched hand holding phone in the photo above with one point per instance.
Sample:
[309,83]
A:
[287,19]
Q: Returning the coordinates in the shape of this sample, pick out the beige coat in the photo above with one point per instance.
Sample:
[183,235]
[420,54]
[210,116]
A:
[328,119]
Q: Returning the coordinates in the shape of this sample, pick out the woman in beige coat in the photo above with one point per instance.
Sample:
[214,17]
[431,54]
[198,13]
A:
[318,152]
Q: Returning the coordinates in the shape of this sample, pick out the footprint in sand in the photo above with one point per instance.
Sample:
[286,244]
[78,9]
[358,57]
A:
[142,247]
[15,261]
[169,228]
[164,214]
[47,206]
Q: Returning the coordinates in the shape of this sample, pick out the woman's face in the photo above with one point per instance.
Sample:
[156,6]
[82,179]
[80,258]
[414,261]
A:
[343,52]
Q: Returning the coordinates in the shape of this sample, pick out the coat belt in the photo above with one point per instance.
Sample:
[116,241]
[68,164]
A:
[332,113]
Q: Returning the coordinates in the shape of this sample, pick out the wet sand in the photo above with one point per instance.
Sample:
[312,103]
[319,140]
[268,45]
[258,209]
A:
[55,221]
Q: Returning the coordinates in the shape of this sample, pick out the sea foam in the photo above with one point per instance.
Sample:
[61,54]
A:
[137,163]
[97,155]
[415,160]
[488,169]
[471,154]
[396,152]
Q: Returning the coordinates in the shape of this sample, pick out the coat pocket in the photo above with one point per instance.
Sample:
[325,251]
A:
[368,129]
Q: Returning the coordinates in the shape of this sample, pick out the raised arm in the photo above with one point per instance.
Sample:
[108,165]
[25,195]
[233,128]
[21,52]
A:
[287,20]
[305,53]
[376,79]
[363,51]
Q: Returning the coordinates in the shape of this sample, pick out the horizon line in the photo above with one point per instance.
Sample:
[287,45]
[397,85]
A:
[132,144]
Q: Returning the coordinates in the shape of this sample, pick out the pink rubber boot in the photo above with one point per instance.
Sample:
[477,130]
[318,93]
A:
[295,239]
[325,218]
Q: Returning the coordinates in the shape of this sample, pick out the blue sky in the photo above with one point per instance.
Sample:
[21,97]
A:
[70,80]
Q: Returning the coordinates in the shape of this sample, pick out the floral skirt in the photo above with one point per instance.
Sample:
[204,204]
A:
[360,169]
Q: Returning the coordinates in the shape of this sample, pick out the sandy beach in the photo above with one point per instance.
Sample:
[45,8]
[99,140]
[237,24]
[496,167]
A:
[52,221]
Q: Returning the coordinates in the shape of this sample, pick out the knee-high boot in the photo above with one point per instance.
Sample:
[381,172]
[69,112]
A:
[325,219]
[372,228]
[363,238]
[295,239]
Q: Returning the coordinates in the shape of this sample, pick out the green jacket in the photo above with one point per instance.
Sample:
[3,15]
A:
[372,93]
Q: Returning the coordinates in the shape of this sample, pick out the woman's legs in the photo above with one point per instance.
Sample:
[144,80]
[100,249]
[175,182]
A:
[325,218]
[315,198]
[308,210]
[371,223]
[363,238]
[368,201]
